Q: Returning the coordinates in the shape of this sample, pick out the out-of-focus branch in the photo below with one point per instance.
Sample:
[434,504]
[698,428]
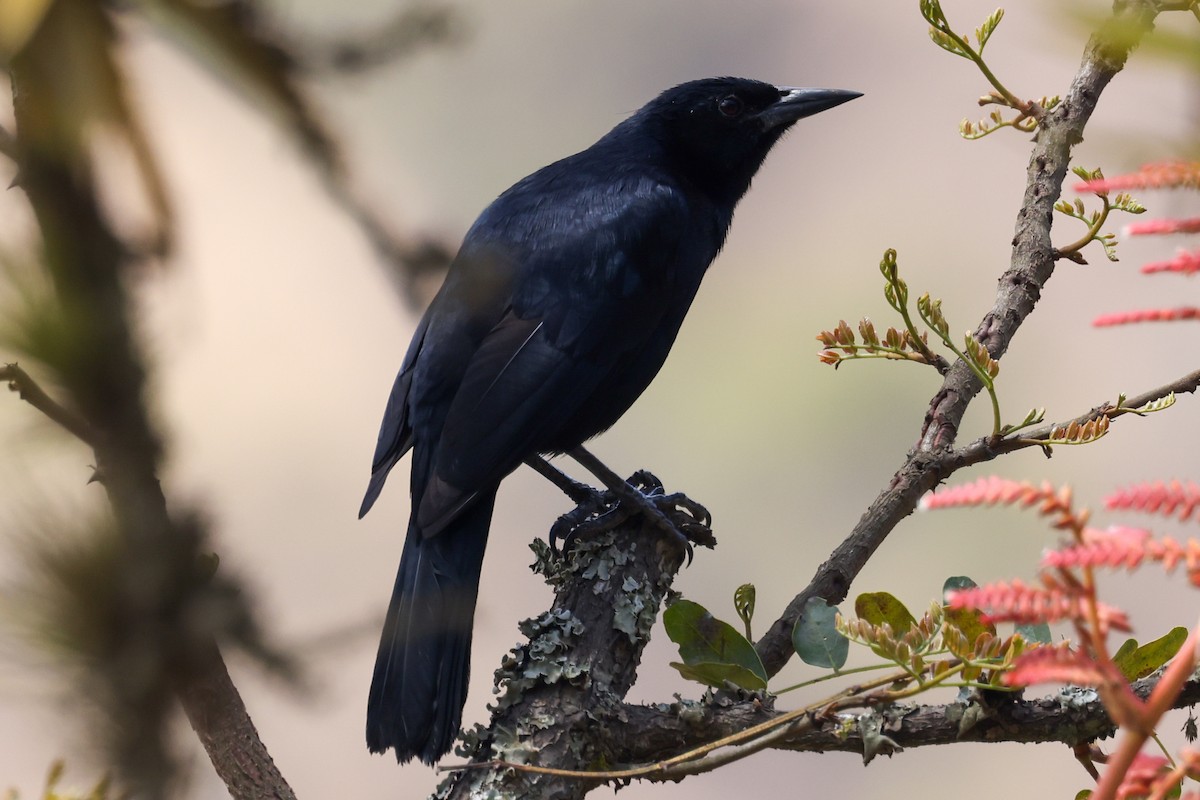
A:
[162,615]
[410,259]
[1020,287]
[217,714]
[8,146]
[408,32]
[270,64]
[25,387]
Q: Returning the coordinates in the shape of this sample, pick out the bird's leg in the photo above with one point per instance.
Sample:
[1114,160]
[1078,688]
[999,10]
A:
[580,493]
[675,514]
[594,510]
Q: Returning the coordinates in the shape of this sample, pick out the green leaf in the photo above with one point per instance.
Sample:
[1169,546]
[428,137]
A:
[984,32]
[967,620]
[970,622]
[944,41]
[743,604]
[1138,662]
[1126,649]
[931,10]
[1154,405]
[705,640]
[815,638]
[720,675]
[880,607]
[957,583]
[1037,632]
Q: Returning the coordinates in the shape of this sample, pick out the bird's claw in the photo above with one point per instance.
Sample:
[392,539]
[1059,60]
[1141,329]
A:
[646,482]
[675,514]
[688,516]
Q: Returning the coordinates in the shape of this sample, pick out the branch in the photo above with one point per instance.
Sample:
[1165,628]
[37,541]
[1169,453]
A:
[8,146]
[410,30]
[210,699]
[1072,716]
[985,448]
[162,615]
[655,736]
[1020,287]
[561,691]
[217,714]
[26,389]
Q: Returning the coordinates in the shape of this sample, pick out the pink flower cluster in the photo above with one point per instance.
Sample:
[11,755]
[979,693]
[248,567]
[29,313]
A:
[1024,604]
[1127,547]
[1151,227]
[1185,263]
[1162,175]
[1147,315]
[1060,664]
[1158,498]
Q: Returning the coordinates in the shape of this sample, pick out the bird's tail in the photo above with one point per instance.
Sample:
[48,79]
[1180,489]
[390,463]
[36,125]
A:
[421,671]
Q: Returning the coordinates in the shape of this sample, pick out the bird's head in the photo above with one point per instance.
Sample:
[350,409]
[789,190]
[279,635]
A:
[719,130]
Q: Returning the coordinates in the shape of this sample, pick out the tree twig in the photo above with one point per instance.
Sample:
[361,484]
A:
[411,29]
[8,145]
[985,448]
[28,390]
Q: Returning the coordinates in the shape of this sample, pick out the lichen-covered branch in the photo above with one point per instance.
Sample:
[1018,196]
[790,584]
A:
[651,734]
[562,689]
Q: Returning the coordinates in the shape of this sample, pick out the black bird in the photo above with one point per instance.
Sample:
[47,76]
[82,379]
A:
[558,311]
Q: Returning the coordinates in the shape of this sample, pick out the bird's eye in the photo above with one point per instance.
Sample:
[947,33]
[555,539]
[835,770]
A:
[730,106]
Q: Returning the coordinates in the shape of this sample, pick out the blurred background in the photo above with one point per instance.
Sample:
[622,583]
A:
[276,333]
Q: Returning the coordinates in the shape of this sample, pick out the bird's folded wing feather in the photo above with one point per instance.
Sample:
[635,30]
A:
[518,386]
[395,433]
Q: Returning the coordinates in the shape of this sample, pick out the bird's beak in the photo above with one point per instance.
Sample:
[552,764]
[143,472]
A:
[796,103]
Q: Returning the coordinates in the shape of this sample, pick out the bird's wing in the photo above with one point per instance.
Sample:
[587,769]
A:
[518,386]
[395,432]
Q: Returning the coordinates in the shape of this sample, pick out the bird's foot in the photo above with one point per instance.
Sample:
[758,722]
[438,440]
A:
[675,514]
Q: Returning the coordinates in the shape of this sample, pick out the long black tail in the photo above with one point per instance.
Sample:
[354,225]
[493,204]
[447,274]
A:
[421,671]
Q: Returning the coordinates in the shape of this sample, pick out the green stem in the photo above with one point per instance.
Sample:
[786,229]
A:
[832,675]
[1163,748]
[1001,89]
[877,351]
[984,378]
[919,343]
[1093,229]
